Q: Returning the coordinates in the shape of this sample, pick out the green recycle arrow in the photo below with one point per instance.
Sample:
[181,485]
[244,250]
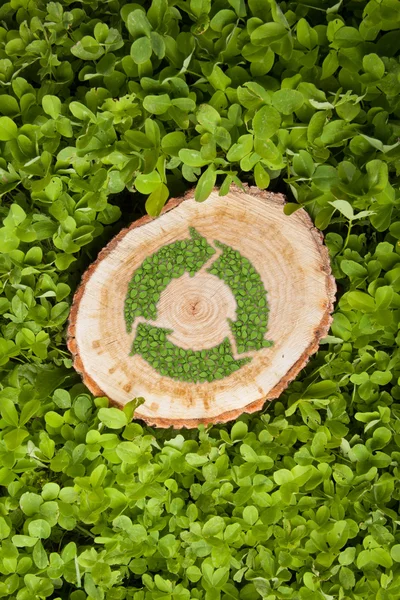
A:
[172,261]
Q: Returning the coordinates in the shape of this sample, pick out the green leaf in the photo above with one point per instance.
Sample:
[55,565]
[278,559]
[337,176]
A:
[353,269]
[55,420]
[213,526]
[195,460]
[336,132]
[22,541]
[321,389]
[208,117]
[173,142]
[269,152]
[184,104]
[138,24]
[361,301]
[383,297]
[39,556]
[268,33]
[145,183]
[138,138]
[261,176]
[377,176]
[9,412]
[238,431]
[200,7]
[141,50]
[87,48]
[15,217]
[51,106]
[157,199]
[374,65]
[8,240]
[116,184]
[266,122]
[205,184]
[216,77]
[193,573]
[39,528]
[287,101]
[5,530]
[128,452]
[381,378]
[157,105]
[113,418]
[81,112]
[344,207]
[221,19]
[222,138]
[303,164]
[157,44]
[307,36]
[54,189]
[98,475]
[8,105]
[192,158]
[395,552]
[101,32]
[8,129]
[30,503]
[330,64]
[243,146]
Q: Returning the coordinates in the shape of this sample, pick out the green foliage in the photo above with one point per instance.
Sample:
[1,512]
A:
[97,101]
[101,99]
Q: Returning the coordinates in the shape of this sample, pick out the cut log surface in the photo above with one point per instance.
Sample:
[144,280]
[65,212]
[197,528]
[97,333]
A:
[207,311]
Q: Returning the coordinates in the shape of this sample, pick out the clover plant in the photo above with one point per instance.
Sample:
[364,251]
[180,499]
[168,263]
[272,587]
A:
[107,107]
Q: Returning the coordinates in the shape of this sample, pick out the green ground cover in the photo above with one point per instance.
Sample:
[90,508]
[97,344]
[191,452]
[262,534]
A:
[102,99]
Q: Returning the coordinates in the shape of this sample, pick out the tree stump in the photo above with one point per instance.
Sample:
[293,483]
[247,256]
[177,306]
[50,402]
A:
[207,311]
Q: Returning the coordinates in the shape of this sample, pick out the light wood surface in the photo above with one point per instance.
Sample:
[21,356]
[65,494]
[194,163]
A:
[288,253]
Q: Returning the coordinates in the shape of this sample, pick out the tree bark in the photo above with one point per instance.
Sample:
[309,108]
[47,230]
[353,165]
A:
[208,319]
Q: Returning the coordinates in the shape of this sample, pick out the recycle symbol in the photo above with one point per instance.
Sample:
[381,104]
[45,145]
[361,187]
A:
[188,256]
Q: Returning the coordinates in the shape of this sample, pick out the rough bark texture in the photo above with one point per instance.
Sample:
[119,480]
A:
[289,254]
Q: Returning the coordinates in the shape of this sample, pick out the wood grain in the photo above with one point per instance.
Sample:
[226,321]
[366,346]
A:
[288,253]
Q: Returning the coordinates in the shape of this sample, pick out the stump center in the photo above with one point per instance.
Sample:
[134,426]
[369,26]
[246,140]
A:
[194,307]
[197,310]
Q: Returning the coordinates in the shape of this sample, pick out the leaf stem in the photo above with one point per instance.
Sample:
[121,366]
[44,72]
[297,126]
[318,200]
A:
[347,237]
[85,531]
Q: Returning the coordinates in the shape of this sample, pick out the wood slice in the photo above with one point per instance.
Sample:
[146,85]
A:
[203,335]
